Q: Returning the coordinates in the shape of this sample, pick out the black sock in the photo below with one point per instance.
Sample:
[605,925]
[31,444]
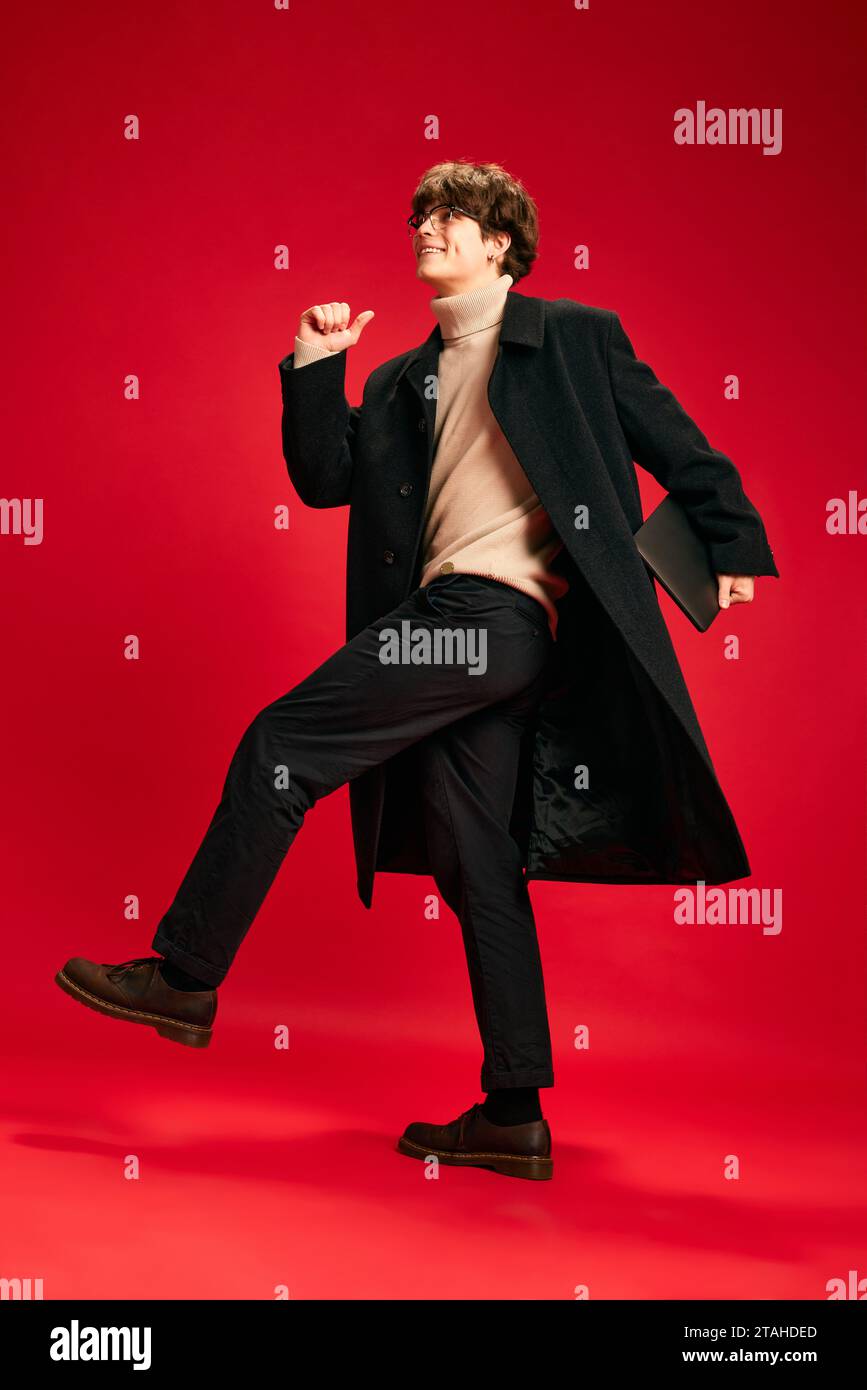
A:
[179,979]
[515,1105]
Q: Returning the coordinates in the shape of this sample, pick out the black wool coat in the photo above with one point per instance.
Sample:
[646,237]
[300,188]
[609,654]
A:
[578,409]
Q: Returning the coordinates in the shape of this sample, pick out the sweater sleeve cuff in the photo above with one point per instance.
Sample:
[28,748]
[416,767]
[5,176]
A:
[308,352]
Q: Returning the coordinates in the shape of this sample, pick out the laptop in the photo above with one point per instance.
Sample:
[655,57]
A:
[678,559]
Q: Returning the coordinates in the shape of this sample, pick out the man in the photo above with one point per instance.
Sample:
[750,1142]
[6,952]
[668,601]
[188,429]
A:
[508,695]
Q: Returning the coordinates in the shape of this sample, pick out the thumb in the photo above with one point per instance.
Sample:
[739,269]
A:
[360,322]
[725,589]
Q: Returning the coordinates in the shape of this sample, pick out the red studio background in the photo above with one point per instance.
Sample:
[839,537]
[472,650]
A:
[305,126]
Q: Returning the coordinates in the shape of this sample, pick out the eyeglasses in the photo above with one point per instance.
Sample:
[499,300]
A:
[439,216]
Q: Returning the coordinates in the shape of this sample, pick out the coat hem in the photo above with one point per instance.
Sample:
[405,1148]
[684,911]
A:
[634,882]
[560,877]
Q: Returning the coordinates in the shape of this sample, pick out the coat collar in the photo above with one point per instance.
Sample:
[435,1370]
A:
[523,323]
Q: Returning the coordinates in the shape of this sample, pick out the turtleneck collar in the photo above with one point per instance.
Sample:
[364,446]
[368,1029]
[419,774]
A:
[472,310]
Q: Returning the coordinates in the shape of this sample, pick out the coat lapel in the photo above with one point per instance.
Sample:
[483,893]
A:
[523,324]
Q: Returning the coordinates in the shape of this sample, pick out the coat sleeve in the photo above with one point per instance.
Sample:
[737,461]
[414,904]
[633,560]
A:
[319,429]
[669,444]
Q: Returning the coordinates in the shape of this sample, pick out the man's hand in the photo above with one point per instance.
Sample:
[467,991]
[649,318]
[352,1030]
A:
[328,326]
[735,588]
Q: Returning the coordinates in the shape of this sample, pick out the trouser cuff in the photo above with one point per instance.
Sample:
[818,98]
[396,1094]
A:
[209,974]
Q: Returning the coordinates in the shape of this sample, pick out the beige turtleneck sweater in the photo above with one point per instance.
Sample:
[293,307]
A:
[482,515]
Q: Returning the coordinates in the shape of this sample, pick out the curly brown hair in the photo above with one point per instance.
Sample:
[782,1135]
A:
[501,203]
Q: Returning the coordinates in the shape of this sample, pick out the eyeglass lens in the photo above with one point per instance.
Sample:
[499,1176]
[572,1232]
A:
[438,216]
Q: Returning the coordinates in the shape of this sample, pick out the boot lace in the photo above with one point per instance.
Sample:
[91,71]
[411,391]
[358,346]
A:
[463,1117]
[125,966]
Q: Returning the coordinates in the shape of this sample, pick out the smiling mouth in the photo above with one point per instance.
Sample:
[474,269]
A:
[430,251]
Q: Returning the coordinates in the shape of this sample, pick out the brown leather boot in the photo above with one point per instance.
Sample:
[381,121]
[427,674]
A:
[136,992]
[521,1151]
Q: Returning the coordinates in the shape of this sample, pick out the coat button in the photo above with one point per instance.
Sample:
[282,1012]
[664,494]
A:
[388,557]
[405,489]
[422,424]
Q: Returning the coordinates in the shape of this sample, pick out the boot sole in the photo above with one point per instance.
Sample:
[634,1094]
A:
[188,1034]
[513,1165]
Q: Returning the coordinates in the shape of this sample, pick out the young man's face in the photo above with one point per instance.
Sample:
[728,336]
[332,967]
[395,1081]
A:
[453,257]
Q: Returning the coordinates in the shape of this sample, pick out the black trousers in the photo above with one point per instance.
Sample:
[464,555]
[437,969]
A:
[457,668]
